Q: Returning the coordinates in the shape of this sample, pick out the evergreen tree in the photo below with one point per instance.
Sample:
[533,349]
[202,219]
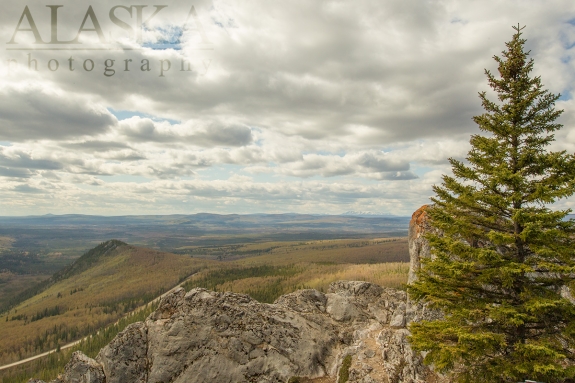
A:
[502,260]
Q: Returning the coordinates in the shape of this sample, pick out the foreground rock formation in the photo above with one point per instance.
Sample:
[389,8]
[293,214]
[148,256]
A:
[205,336]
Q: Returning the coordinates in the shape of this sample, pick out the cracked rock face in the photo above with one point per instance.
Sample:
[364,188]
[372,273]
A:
[205,336]
[125,358]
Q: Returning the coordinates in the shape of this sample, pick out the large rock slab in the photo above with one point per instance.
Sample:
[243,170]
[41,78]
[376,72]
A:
[228,337]
[206,336]
[125,359]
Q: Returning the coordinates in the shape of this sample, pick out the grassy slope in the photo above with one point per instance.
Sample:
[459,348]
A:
[284,267]
[328,250]
[86,297]
[354,251]
[83,263]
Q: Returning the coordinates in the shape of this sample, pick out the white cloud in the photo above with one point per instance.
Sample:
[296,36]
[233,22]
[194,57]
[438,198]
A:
[302,106]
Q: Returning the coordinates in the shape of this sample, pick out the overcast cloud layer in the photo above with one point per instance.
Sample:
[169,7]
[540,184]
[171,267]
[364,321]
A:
[300,106]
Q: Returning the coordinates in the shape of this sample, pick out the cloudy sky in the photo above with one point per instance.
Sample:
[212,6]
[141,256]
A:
[292,106]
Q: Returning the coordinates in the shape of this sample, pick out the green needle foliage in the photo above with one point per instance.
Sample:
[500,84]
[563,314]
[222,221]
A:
[502,260]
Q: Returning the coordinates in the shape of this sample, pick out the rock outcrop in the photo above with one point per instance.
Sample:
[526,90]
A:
[418,245]
[206,336]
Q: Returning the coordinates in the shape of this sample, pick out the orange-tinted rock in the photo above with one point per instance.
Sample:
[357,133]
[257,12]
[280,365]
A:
[418,245]
[419,219]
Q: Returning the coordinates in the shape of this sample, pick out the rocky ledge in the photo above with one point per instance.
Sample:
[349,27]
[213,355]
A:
[206,336]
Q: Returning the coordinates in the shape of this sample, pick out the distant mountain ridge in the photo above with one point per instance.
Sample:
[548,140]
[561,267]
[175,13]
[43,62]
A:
[170,232]
[72,219]
[369,214]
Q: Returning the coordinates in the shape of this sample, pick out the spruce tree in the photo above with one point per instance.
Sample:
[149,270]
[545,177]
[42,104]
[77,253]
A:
[502,260]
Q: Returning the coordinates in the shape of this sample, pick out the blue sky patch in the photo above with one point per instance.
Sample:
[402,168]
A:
[125,114]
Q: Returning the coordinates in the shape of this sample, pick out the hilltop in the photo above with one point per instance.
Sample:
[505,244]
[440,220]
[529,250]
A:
[83,263]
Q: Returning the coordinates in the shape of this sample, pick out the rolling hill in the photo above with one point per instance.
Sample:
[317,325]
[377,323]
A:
[97,289]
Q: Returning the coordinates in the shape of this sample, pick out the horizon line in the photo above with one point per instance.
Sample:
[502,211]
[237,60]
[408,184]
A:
[184,214]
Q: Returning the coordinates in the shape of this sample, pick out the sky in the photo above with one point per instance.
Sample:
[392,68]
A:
[320,107]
